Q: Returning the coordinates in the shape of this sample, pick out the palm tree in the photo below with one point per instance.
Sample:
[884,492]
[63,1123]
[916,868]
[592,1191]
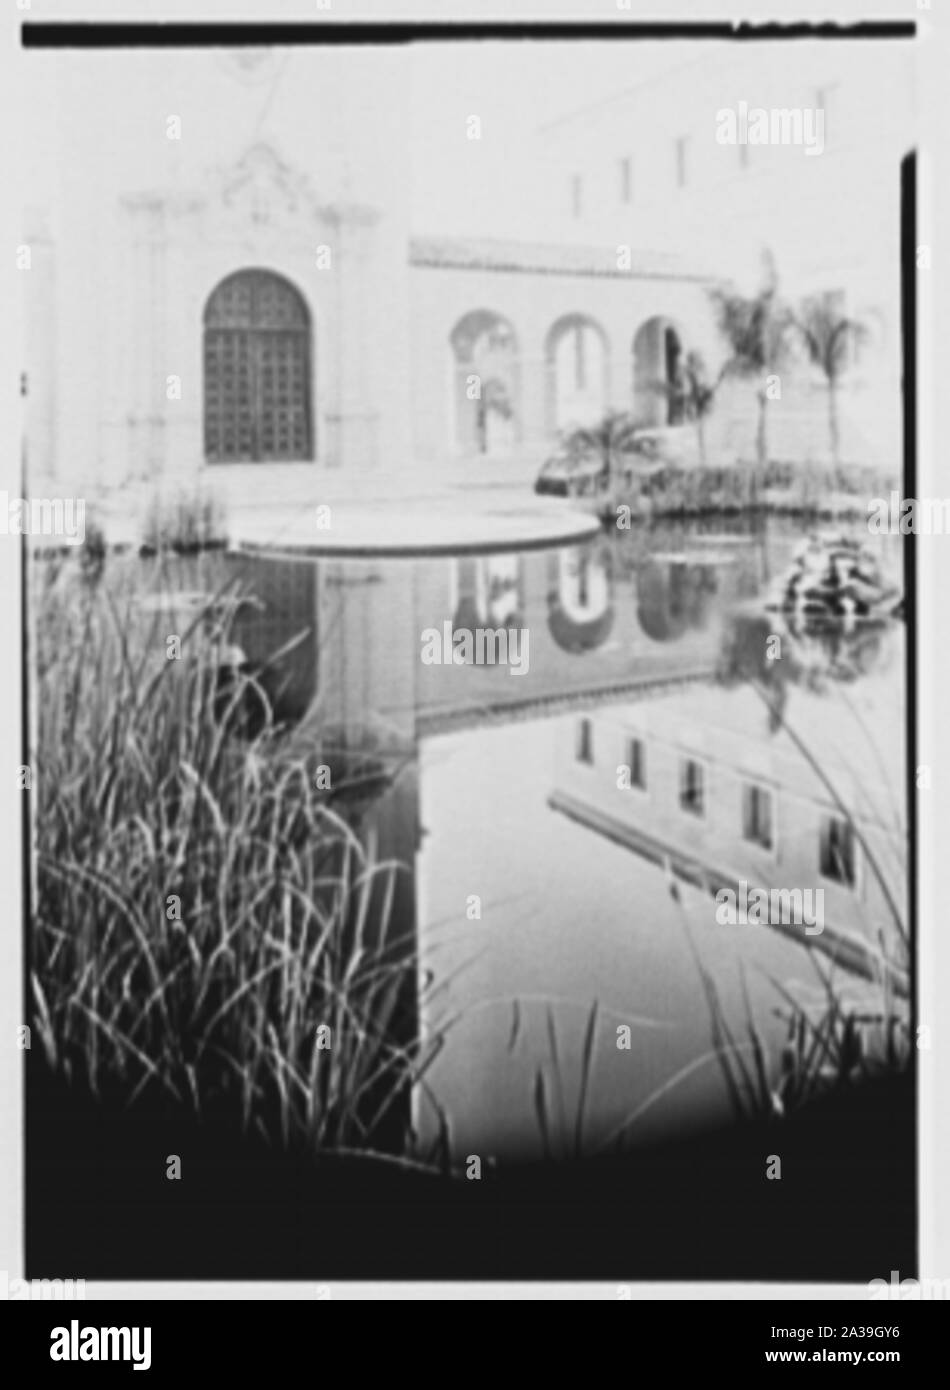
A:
[607,438]
[757,329]
[694,393]
[828,337]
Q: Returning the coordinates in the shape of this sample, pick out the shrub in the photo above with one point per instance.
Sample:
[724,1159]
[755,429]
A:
[184,524]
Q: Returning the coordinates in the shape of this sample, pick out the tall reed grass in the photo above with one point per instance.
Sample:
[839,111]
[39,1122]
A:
[838,1042]
[201,908]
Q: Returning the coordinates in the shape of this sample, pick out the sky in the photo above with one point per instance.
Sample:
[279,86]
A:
[515,88]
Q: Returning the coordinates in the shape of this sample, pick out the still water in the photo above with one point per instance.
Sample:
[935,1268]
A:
[562,828]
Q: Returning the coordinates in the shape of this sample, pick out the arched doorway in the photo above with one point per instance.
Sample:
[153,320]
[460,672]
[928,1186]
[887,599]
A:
[486,383]
[257,356]
[576,360]
[657,371]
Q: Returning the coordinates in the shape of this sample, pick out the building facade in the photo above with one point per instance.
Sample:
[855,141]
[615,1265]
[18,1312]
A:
[231,275]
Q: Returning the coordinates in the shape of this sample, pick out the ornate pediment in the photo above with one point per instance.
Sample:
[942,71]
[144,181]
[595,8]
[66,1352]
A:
[253,199]
[263,188]
[259,190]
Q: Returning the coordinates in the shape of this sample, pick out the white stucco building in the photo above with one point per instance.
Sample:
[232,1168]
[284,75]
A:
[229,264]
[646,167]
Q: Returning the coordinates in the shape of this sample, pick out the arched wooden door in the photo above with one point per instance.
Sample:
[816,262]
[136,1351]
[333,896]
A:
[257,355]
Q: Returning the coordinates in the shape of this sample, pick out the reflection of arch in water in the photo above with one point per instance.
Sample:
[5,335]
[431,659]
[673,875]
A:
[576,365]
[488,591]
[657,364]
[674,595]
[580,597]
[485,366]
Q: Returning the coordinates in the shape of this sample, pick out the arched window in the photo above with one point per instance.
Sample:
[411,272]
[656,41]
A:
[657,368]
[486,382]
[577,364]
[257,371]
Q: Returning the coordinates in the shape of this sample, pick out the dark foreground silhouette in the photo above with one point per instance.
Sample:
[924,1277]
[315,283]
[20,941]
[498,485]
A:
[99,1204]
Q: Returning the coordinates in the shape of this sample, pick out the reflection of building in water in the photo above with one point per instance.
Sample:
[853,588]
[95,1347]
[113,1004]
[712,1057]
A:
[284,610]
[487,591]
[675,593]
[353,644]
[591,631]
[357,625]
[713,795]
[370,651]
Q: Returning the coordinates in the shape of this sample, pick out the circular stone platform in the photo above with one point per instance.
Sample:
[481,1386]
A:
[460,525]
